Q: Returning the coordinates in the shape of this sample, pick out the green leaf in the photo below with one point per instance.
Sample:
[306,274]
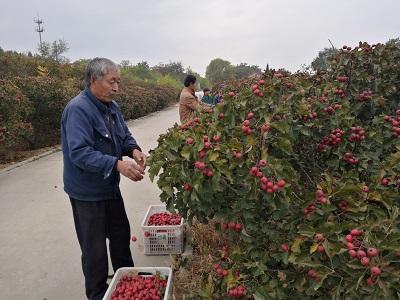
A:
[296,245]
[185,152]
[213,156]
[313,248]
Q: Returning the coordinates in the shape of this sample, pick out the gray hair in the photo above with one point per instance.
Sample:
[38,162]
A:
[97,68]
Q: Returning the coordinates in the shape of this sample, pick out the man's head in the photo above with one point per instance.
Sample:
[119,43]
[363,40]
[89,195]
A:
[102,78]
[206,91]
[190,82]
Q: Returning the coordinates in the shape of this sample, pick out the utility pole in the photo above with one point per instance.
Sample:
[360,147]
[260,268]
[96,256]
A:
[39,28]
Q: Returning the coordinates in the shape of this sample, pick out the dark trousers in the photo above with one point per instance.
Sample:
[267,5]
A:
[94,223]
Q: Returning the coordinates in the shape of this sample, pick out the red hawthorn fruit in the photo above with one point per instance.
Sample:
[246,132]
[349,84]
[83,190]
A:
[365,261]
[349,238]
[238,227]
[319,237]
[265,128]
[262,163]
[376,271]
[202,153]
[188,187]
[216,138]
[284,247]
[353,253]
[312,273]
[370,281]
[281,183]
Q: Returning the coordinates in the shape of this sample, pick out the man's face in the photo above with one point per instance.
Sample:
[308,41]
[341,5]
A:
[105,89]
[206,93]
[192,86]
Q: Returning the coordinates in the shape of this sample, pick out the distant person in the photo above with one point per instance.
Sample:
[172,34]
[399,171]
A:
[94,137]
[217,97]
[188,102]
[207,98]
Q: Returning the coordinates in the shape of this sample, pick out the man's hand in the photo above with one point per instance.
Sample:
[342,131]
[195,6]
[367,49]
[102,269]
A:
[140,158]
[131,170]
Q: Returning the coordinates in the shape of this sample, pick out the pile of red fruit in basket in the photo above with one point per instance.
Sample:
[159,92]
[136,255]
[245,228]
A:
[164,218]
[139,287]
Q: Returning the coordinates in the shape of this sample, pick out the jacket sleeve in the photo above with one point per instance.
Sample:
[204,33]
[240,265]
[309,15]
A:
[191,102]
[80,140]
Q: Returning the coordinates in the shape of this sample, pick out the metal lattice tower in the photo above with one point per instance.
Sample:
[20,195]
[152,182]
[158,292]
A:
[39,28]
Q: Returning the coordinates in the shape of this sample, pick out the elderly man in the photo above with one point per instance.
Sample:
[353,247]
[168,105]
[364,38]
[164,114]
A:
[188,102]
[94,139]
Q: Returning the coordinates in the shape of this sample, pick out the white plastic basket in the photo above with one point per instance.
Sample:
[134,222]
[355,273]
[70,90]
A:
[162,240]
[136,270]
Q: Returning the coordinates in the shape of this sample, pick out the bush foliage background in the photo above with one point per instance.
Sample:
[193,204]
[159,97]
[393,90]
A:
[35,90]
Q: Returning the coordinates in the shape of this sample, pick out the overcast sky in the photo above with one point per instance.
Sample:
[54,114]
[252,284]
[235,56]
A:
[281,33]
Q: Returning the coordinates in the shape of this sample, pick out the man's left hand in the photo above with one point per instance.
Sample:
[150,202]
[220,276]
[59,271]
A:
[140,158]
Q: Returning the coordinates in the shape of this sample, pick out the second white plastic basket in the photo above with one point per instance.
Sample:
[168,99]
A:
[162,240]
[164,271]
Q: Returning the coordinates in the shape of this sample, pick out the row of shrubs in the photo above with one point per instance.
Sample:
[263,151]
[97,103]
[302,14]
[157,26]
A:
[34,92]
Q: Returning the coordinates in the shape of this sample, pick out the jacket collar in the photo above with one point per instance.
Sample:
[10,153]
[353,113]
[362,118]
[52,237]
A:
[104,108]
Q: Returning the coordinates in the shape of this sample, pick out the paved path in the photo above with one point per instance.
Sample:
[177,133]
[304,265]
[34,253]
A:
[39,251]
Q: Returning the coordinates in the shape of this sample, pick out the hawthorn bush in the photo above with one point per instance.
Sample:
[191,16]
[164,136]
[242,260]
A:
[34,92]
[15,109]
[302,173]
